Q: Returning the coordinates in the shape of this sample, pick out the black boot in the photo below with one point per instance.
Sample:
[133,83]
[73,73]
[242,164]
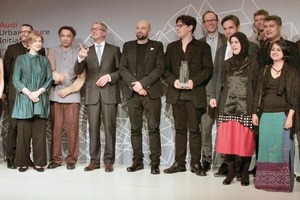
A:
[245,173]
[231,169]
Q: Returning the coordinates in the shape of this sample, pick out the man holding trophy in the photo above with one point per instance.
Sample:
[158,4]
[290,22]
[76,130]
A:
[188,69]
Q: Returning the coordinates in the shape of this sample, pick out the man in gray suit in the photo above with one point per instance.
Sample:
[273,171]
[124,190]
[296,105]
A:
[215,39]
[102,95]
[141,66]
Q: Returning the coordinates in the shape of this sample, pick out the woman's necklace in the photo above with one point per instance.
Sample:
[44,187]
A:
[277,71]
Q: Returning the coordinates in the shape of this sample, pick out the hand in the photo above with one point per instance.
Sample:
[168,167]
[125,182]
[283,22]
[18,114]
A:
[177,84]
[34,96]
[190,84]
[288,123]
[213,103]
[143,92]
[255,120]
[83,52]
[137,86]
[102,81]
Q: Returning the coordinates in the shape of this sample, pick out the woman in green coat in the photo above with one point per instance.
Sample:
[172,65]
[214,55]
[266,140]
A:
[32,79]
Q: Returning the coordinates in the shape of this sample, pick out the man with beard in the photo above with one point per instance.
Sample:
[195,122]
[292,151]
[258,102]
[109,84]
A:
[141,66]
[11,54]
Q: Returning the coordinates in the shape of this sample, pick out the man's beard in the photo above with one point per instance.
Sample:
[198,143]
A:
[141,37]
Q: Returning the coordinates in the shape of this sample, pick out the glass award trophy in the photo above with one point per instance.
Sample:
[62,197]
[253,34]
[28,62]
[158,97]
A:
[184,74]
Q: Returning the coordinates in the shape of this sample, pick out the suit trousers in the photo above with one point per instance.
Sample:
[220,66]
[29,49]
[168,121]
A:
[109,118]
[137,104]
[12,133]
[187,118]
[65,114]
[207,122]
[31,129]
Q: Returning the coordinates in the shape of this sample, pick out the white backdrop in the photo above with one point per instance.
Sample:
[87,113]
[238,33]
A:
[121,17]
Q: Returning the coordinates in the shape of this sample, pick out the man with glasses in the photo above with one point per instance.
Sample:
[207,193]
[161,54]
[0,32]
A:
[102,95]
[215,39]
[188,101]
[11,54]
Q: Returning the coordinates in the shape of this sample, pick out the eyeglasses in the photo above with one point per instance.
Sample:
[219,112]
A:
[24,31]
[210,20]
[97,29]
[179,25]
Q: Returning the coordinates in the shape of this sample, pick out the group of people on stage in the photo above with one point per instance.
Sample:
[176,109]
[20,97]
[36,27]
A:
[249,86]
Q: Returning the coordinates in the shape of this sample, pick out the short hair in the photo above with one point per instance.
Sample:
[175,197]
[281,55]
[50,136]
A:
[70,28]
[28,25]
[102,24]
[274,18]
[234,18]
[188,20]
[209,11]
[261,12]
[32,36]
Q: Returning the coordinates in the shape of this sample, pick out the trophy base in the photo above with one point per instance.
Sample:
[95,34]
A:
[183,85]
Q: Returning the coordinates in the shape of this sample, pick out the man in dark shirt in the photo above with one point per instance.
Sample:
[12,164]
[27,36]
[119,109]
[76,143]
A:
[11,54]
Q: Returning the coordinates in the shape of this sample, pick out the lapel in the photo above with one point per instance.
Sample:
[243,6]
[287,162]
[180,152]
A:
[93,54]
[189,53]
[105,53]
[148,49]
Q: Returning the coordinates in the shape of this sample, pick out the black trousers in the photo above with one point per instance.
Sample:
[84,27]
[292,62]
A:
[187,119]
[137,105]
[31,129]
[12,133]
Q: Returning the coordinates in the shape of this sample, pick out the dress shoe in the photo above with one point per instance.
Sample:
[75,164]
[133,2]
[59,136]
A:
[70,166]
[91,167]
[205,166]
[228,180]
[197,169]
[175,168]
[39,169]
[245,183]
[53,165]
[135,167]
[11,164]
[109,167]
[155,169]
[222,171]
[23,169]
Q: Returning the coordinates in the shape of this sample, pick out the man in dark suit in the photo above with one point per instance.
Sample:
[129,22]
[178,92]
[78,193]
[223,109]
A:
[11,54]
[231,25]
[102,95]
[142,65]
[189,101]
[215,39]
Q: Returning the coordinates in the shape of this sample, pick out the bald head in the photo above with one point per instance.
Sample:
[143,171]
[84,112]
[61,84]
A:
[142,31]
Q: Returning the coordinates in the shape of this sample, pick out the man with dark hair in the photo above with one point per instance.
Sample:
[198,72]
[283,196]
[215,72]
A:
[11,54]
[188,101]
[141,67]
[231,25]
[64,107]
[215,39]
[258,35]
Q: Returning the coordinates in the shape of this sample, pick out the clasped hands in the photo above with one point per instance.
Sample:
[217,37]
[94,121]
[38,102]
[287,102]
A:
[188,87]
[33,96]
[138,88]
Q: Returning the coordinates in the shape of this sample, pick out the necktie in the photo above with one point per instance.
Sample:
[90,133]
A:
[212,48]
[99,55]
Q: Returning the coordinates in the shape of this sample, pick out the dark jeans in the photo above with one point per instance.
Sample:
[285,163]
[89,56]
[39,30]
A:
[187,118]
[136,106]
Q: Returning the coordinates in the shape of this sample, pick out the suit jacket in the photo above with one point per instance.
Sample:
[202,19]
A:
[11,54]
[200,67]
[109,64]
[153,68]
[219,63]
[222,39]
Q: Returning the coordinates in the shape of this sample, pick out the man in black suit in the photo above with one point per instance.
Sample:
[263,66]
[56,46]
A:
[189,101]
[142,65]
[11,54]
[215,39]
[102,95]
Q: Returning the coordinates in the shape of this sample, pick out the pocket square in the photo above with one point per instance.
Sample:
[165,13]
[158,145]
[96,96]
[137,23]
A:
[152,48]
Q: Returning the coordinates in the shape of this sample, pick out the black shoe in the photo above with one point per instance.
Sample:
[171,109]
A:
[53,165]
[155,169]
[23,169]
[39,169]
[205,166]
[175,168]
[197,169]
[135,167]
[11,164]
[223,171]
[70,166]
[228,180]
